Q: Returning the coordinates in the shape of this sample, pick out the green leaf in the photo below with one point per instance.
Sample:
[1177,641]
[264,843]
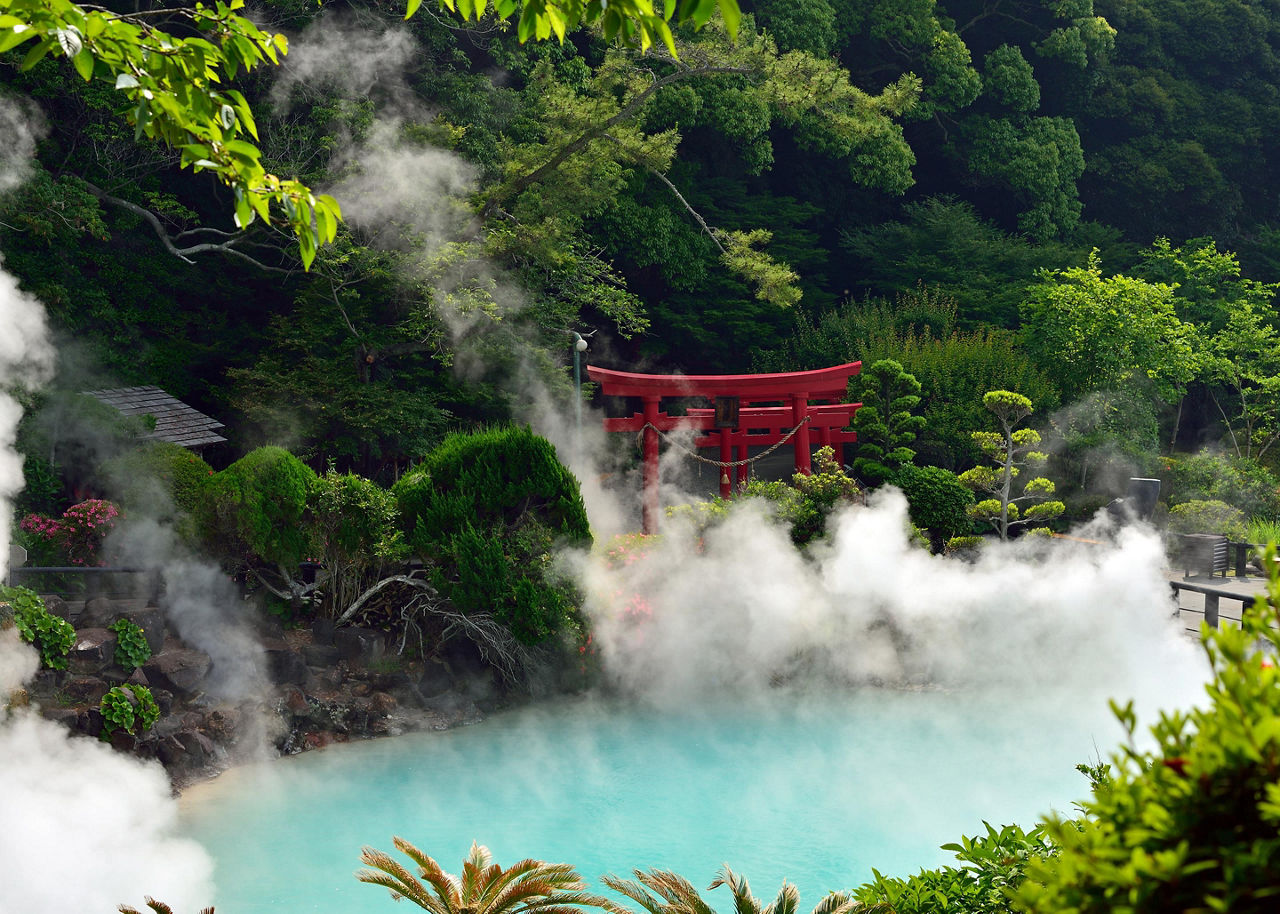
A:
[36,54]
[731,15]
[126,81]
[411,8]
[83,62]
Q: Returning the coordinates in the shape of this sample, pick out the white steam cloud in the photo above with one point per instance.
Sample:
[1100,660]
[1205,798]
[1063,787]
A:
[21,125]
[81,828]
[739,609]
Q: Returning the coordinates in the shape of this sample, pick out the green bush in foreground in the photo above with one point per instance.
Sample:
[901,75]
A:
[51,636]
[1192,824]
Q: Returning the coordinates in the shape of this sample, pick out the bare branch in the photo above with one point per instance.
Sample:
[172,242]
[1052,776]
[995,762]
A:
[183,253]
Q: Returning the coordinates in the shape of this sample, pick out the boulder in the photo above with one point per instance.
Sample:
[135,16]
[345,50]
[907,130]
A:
[98,612]
[321,655]
[93,649]
[359,645]
[285,665]
[179,670]
[152,623]
[85,690]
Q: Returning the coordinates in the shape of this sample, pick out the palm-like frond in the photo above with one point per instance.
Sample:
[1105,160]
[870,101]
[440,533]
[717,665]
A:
[661,892]
[743,901]
[484,887]
[159,907]
[836,903]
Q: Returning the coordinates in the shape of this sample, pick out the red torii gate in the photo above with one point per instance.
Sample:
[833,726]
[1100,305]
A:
[734,423]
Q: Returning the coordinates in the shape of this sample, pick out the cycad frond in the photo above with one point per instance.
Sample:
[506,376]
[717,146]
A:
[836,903]
[636,892]
[391,874]
[787,902]
[447,887]
[743,901]
[159,907]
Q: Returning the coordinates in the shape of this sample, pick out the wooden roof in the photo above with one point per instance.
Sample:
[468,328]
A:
[175,420]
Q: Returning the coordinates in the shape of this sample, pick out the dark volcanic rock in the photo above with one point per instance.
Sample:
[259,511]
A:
[177,669]
[152,623]
[85,690]
[435,679]
[286,666]
[93,649]
[359,645]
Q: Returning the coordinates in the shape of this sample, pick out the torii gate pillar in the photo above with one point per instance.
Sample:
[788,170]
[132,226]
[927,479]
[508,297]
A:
[649,505]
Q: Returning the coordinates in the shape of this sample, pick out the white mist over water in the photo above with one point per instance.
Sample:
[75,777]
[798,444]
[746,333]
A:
[82,828]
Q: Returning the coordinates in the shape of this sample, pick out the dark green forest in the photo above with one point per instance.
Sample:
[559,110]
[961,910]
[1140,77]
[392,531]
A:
[1077,200]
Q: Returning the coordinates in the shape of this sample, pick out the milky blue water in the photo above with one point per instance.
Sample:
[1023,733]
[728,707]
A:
[816,789]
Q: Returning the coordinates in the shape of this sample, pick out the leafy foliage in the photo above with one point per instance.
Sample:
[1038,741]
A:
[174,87]
[489,508]
[938,502]
[1208,517]
[992,867]
[353,525]
[484,887]
[131,708]
[1245,483]
[1091,332]
[1189,821]
[132,649]
[256,508]
[52,636]
[664,892]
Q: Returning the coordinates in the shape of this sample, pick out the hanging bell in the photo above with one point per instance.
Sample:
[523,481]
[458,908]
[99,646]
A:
[724,480]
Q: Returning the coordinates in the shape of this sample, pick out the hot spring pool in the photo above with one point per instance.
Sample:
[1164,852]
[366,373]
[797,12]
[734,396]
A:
[816,789]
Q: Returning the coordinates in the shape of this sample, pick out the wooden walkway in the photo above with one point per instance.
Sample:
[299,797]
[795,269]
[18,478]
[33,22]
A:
[1220,599]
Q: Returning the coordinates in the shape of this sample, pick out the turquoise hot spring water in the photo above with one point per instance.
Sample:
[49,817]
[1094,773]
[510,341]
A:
[815,788]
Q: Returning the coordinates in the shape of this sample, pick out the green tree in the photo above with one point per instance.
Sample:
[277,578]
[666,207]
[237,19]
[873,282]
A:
[885,423]
[1010,450]
[484,887]
[1091,332]
[1244,374]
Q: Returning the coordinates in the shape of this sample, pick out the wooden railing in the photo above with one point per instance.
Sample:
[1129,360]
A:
[50,579]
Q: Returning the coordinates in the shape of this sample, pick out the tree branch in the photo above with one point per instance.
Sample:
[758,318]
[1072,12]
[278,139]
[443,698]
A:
[575,145]
[183,253]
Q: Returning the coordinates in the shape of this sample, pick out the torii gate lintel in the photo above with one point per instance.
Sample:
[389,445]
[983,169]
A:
[757,424]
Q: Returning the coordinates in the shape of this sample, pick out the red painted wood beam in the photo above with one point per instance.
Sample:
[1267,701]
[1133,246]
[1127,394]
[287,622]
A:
[819,384]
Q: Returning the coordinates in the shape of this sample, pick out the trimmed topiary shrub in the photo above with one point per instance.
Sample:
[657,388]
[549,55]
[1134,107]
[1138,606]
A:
[158,477]
[938,502]
[256,507]
[1208,517]
[51,635]
[488,509]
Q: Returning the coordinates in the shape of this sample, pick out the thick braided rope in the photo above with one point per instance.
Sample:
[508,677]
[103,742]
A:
[725,464]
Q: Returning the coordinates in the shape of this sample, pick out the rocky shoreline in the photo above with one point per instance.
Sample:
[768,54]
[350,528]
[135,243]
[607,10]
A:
[322,685]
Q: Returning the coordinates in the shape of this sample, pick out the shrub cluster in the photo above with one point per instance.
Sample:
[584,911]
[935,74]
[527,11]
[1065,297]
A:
[50,635]
[76,537]
[488,508]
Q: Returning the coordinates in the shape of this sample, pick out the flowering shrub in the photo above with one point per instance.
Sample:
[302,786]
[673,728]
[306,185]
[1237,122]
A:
[77,536]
